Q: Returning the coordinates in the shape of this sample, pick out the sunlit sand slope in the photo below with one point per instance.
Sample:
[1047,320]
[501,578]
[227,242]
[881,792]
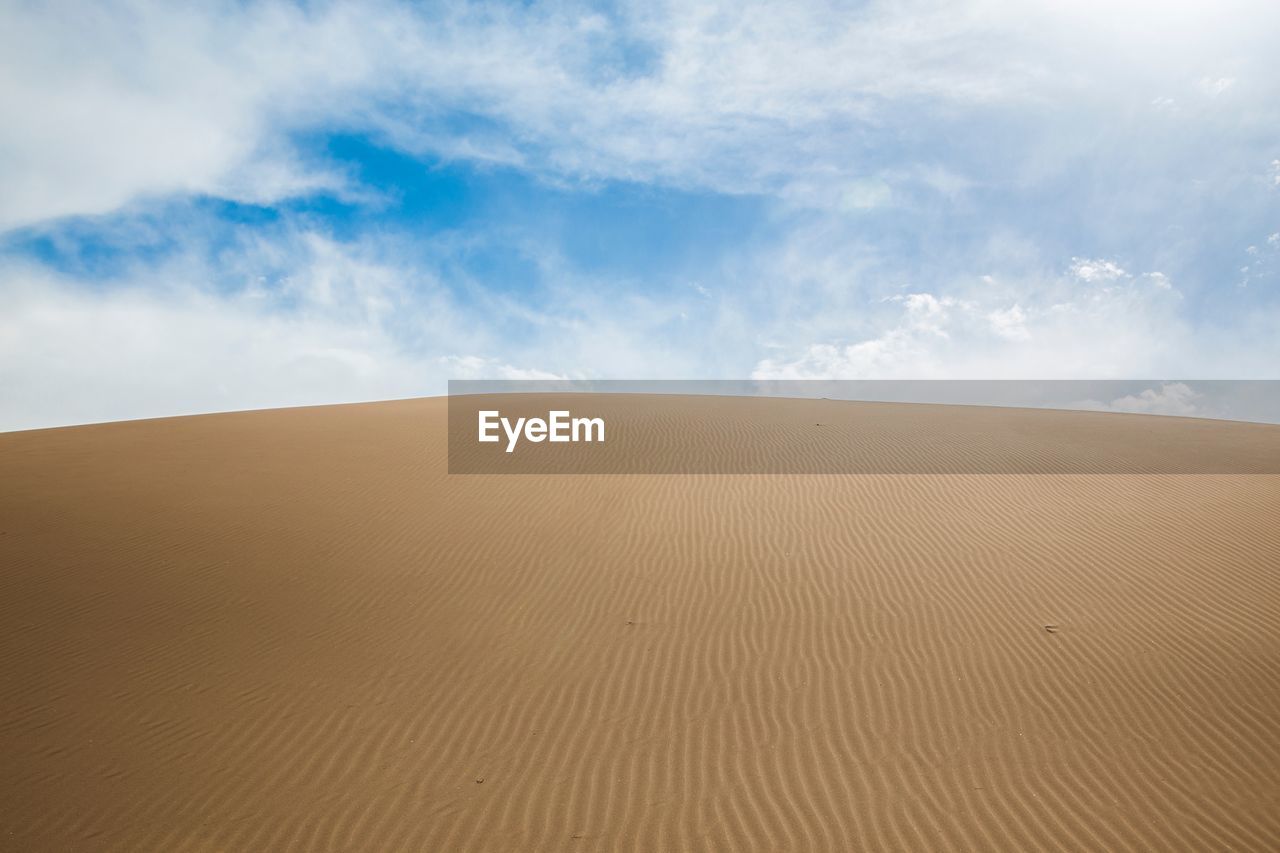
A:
[293,630]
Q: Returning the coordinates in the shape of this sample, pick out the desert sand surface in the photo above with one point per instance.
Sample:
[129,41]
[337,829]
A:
[293,629]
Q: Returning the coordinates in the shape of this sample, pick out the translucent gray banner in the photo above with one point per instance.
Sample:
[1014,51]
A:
[864,427]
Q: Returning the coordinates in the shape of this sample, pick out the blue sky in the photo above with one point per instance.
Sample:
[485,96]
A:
[246,204]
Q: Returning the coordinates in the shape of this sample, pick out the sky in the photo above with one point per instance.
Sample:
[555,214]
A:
[219,206]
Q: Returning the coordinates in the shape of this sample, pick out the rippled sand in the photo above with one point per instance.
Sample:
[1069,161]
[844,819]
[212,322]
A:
[293,630]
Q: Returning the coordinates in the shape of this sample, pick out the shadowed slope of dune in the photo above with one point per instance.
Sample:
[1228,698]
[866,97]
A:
[292,629]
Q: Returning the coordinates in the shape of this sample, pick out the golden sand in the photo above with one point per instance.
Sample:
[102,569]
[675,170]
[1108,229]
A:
[293,630]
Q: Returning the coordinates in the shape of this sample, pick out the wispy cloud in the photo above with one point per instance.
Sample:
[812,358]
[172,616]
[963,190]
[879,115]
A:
[987,188]
[133,97]
[1171,398]
[294,317]
[1094,320]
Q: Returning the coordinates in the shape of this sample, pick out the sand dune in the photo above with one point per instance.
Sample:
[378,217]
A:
[293,630]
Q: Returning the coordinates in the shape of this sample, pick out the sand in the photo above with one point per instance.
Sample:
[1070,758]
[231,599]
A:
[293,630]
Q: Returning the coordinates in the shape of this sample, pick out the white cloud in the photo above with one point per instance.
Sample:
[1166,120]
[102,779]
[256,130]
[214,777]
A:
[1214,86]
[295,318]
[926,313]
[834,111]
[1263,262]
[1010,323]
[71,355]
[1171,398]
[106,104]
[1111,327]
[1096,270]
[476,367]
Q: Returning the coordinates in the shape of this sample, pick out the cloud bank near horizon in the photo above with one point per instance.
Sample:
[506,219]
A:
[268,203]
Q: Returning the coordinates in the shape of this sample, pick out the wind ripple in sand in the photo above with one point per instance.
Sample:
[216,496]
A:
[291,629]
